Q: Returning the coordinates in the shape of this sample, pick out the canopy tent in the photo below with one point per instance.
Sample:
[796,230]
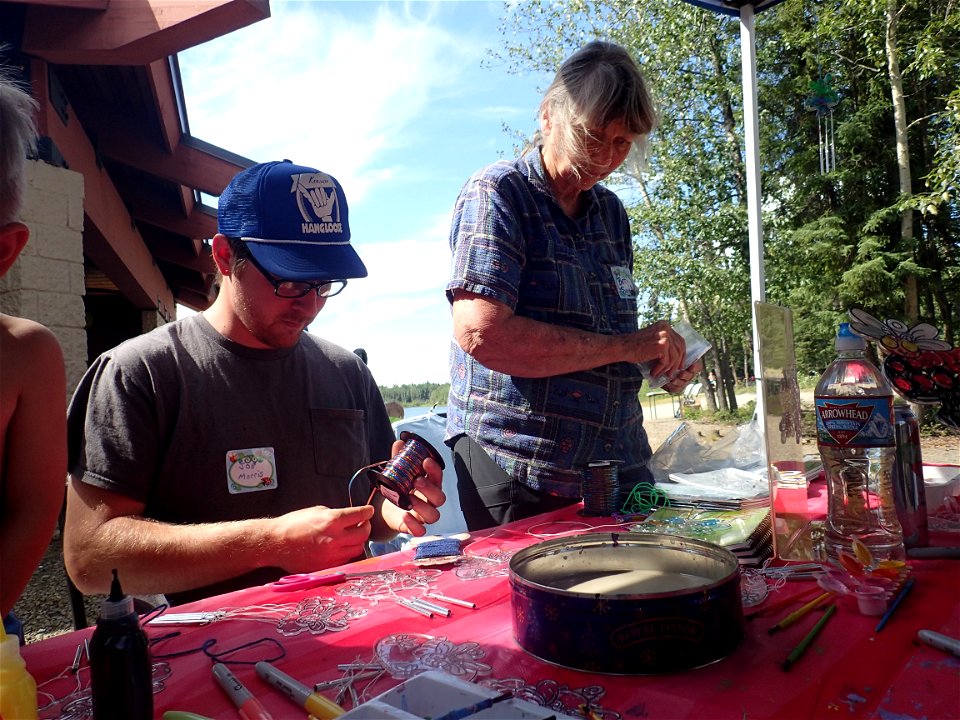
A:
[748,63]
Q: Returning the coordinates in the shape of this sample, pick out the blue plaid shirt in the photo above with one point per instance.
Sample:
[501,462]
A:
[512,242]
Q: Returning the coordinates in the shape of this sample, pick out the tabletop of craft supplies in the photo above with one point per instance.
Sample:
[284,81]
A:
[351,637]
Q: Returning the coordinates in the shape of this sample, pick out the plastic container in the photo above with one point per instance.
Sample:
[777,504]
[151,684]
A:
[434,694]
[855,436]
[120,665]
[18,691]
[909,491]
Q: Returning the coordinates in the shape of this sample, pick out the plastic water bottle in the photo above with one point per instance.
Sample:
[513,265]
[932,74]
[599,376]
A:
[120,666]
[854,408]
[18,691]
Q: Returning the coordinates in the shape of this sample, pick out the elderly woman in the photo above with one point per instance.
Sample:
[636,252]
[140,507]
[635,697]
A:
[545,363]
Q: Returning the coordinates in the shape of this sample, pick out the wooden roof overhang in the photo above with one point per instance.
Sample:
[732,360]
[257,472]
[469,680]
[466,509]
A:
[106,76]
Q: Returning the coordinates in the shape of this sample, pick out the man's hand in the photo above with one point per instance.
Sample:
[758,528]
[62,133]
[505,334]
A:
[319,537]
[426,498]
[683,378]
[662,348]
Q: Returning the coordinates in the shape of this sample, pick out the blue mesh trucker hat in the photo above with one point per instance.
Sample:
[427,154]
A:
[294,221]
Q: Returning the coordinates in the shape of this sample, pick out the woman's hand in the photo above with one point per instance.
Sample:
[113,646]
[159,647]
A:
[426,497]
[683,378]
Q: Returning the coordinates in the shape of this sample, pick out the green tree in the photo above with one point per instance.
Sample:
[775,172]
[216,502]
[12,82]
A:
[426,394]
[879,230]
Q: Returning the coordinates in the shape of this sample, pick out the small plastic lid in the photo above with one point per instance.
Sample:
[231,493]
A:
[848,340]
[116,605]
[10,650]
[871,600]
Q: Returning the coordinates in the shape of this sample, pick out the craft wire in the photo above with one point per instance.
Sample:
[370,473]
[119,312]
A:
[354,672]
[265,612]
[153,642]
[405,467]
[348,687]
[359,665]
[373,490]
[753,588]
[222,656]
[385,591]
[790,569]
[391,594]
[497,561]
[336,682]
[579,527]
[153,613]
[600,487]
[644,498]
[197,618]
[64,674]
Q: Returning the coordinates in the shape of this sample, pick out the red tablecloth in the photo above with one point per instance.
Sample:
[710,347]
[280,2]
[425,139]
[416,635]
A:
[850,671]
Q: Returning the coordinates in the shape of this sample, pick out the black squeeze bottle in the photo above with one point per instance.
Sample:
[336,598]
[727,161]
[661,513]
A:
[120,666]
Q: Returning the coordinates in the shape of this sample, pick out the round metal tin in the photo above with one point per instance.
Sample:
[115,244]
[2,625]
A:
[626,603]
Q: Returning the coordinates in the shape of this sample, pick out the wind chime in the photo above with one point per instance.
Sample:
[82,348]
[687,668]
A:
[823,98]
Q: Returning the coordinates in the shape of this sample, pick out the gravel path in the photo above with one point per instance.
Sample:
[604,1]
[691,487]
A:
[44,607]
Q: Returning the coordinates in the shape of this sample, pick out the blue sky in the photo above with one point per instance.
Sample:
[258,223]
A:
[391,99]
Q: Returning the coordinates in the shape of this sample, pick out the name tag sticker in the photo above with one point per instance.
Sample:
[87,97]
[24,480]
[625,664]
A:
[623,279]
[251,470]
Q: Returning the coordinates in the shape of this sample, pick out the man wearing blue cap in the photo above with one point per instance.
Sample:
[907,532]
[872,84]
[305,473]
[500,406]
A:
[218,451]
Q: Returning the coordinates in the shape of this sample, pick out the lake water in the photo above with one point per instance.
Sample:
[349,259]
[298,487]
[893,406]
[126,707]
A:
[417,410]
[432,429]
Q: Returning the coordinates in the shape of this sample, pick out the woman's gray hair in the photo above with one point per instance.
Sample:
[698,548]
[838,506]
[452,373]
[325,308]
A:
[599,84]
[18,138]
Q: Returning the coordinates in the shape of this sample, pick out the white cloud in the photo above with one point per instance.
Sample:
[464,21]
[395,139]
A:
[320,88]
[399,313]
[391,99]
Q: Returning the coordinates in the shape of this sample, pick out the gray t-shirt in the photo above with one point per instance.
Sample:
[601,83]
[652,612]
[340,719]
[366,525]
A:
[201,429]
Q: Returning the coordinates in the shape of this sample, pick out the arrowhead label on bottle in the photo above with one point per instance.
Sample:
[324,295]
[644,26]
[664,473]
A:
[859,422]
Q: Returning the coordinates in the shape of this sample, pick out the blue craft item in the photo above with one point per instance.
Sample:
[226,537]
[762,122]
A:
[444,547]
[600,488]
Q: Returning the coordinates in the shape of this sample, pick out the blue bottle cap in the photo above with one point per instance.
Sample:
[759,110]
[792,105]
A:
[848,340]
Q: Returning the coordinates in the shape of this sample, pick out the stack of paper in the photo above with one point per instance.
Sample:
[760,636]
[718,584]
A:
[747,533]
[723,489]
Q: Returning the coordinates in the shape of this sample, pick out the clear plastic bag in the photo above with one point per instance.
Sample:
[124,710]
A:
[696,348]
[683,452]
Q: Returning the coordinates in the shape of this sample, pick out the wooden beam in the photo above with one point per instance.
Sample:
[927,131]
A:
[198,225]
[195,300]
[160,80]
[81,4]
[132,32]
[193,163]
[185,258]
[110,239]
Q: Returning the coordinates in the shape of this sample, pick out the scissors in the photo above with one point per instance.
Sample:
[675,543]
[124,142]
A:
[305,581]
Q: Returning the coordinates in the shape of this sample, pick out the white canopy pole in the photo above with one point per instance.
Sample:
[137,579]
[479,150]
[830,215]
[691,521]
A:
[748,62]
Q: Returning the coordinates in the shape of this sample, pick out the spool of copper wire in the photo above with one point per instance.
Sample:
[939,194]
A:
[396,478]
[601,488]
